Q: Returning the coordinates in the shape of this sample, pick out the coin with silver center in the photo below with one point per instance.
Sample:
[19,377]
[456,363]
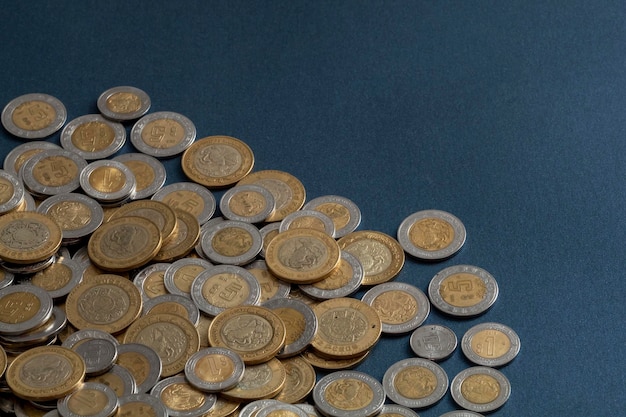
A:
[434,342]
[188,196]
[330,398]
[214,369]
[170,391]
[163,134]
[123,103]
[13,192]
[93,137]
[415,382]
[431,235]
[33,116]
[66,166]
[108,181]
[92,399]
[481,389]
[14,301]
[490,344]
[345,214]
[310,219]
[271,287]
[247,203]
[231,242]
[150,173]
[298,318]
[151,364]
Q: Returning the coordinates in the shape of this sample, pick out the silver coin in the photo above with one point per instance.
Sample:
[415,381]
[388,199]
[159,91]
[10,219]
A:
[431,235]
[33,116]
[342,282]
[80,336]
[148,404]
[53,326]
[180,383]
[490,344]
[345,214]
[247,203]
[24,308]
[217,361]
[268,231]
[118,378]
[93,137]
[393,410]
[95,408]
[150,280]
[193,314]
[281,409]
[99,355]
[415,382]
[463,290]
[229,284]
[481,389]
[271,287]
[252,408]
[59,278]
[78,215]
[181,273]
[6,278]
[461,413]
[138,353]
[303,315]
[231,242]
[190,197]
[434,342]
[65,168]
[22,153]
[123,103]
[150,173]
[402,307]
[310,219]
[163,134]
[339,381]
[108,181]
[12,192]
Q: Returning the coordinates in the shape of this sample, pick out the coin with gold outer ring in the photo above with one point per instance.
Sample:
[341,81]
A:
[28,237]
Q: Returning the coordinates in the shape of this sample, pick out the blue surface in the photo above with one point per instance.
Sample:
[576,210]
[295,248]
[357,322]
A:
[509,115]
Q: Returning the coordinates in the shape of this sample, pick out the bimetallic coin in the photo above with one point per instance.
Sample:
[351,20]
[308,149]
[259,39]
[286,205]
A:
[123,103]
[231,242]
[6,278]
[108,182]
[76,214]
[434,342]
[59,278]
[431,235]
[348,394]
[490,344]
[392,410]
[300,380]
[300,324]
[163,134]
[161,214]
[91,399]
[308,219]
[143,363]
[141,405]
[309,409]
[99,355]
[271,287]
[52,327]
[118,378]
[281,409]
[33,116]
[181,399]
[332,364]
[214,369]
[261,381]
[149,172]
[22,153]
[401,307]
[461,413]
[93,137]
[252,408]
[341,282]
[52,172]
[415,382]
[288,191]
[463,290]
[190,197]
[150,280]
[247,203]
[173,304]
[180,275]
[3,361]
[11,192]
[24,308]
[184,240]
[345,214]
[267,233]
[481,389]
[28,237]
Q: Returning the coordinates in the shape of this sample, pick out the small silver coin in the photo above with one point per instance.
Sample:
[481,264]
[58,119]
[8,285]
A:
[481,389]
[490,344]
[434,342]
[150,280]
[231,242]
[179,383]
[12,192]
[393,410]
[67,405]
[271,287]
[163,134]
[344,213]
[281,409]
[148,404]
[53,326]
[342,282]
[81,336]
[331,387]
[108,181]
[193,314]
[310,219]
[123,103]
[33,116]
[431,235]
[211,360]
[93,137]
[65,167]
[99,355]
[181,273]
[190,197]
[463,290]
[118,378]
[247,203]
[415,382]
[402,307]
[24,308]
[22,153]
[150,360]
[302,314]
[78,215]
[150,173]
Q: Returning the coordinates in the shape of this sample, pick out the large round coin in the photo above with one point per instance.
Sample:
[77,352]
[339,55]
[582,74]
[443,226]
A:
[123,103]
[481,389]
[431,235]
[490,344]
[214,369]
[92,399]
[415,382]
[34,116]
[28,237]
[349,394]
[402,307]
[288,191]
[181,399]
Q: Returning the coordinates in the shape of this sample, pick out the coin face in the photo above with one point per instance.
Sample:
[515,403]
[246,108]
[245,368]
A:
[163,134]
[109,182]
[289,193]
[300,324]
[11,192]
[33,116]
[481,389]
[214,369]
[123,103]
[149,173]
[93,137]
[23,308]
[231,242]
[190,197]
[247,203]
[434,342]
[431,235]
[490,344]
[76,214]
[90,399]
[264,380]
[344,213]
[142,362]
[159,213]
[308,219]
[185,237]
[402,307]
[118,378]
[415,382]
[28,237]
[52,172]
[348,394]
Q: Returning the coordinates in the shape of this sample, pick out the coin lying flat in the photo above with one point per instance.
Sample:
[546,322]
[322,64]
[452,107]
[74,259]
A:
[261,381]
[149,172]
[308,219]
[163,134]
[348,394]
[181,399]
[28,237]
[247,203]
[180,275]
[231,242]
[99,355]
[157,212]
[415,382]
[123,103]
[481,389]
[11,192]
[281,409]
[143,363]
[188,196]
[332,364]
[24,308]
[490,344]
[118,378]
[90,399]
[341,282]
[93,137]
[300,380]
[300,324]
[53,171]
[76,214]
[434,342]
[289,193]
[431,235]
[141,405]
[214,369]
[344,213]
[34,116]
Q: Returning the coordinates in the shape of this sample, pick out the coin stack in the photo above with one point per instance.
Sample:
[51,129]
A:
[120,293]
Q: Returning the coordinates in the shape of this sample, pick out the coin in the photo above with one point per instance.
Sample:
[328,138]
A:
[109,182]
[181,399]
[6,278]
[401,307]
[393,410]
[172,337]
[214,369]
[381,256]
[481,389]
[149,172]
[3,361]
[256,333]
[344,213]
[341,282]
[118,378]
[217,161]
[93,137]
[39,335]
[434,342]
[162,215]
[463,290]
[288,191]
[163,134]
[267,233]
[179,276]
[271,287]
[332,364]
[53,171]
[264,380]
[247,203]
[347,328]
[223,408]
[253,407]
[431,235]
[124,243]
[190,197]
[173,304]
[302,256]
[123,103]
[45,373]
[105,302]
[17,156]
[415,382]
[90,399]
[79,336]
[59,278]
[348,394]
[143,363]
[309,409]
[76,214]
[11,192]
[308,219]
[28,237]
[141,405]
[33,116]
[281,409]
[231,242]
[490,344]
[98,354]
[24,308]
[150,280]
[461,413]
[185,237]
[300,380]
[300,324]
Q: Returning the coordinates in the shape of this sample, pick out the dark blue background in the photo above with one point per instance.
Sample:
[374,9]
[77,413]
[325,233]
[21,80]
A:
[508,114]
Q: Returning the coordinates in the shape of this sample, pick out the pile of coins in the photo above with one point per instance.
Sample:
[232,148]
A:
[121,295]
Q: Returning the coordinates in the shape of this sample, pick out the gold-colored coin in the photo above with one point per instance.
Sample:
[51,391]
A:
[172,337]
[256,333]
[300,380]
[332,364]
[93,136]
[302,256]
[223,408]
[3,361]
[156,211]
[260,381]
[288,191]
[381,256]
[105,302]
[217,161]
[45,373]
[28,237]
[124,243]
[34,115]
[347,328]
[55,171]
[183,240]
[203,329]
